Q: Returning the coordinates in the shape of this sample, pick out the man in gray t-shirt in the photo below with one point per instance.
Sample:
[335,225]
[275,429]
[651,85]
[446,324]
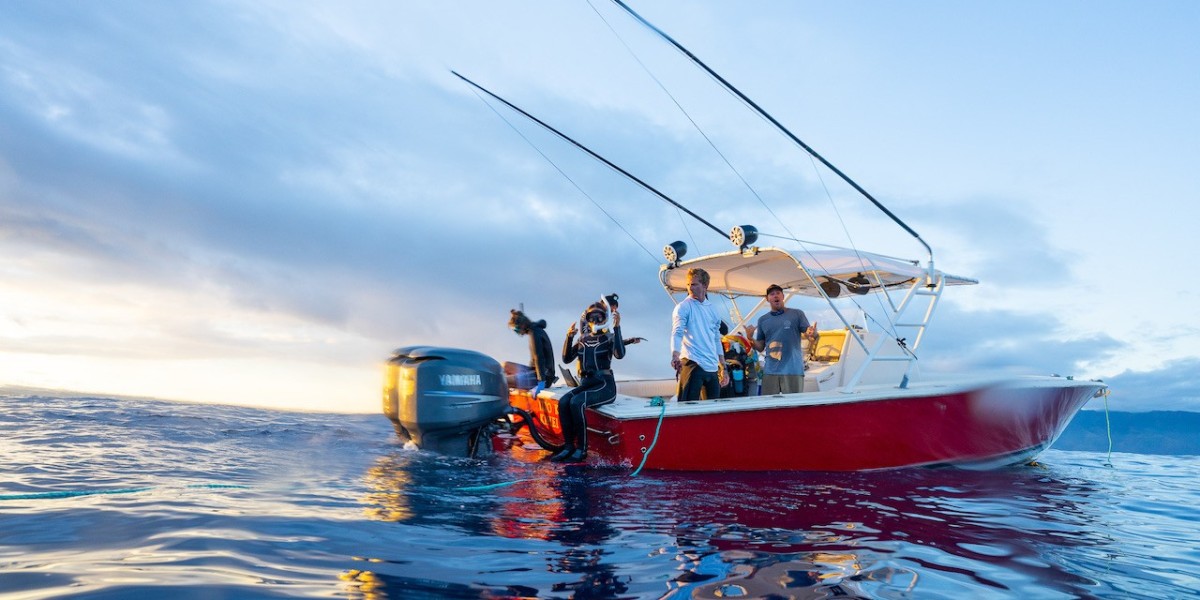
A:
[778,337]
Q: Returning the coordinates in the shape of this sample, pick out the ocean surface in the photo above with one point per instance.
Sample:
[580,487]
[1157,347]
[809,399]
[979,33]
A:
[107,498]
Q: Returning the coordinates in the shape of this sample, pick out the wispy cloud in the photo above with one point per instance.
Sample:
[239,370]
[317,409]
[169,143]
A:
[307,184]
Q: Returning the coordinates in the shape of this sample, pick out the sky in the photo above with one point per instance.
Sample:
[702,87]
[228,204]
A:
[256,202]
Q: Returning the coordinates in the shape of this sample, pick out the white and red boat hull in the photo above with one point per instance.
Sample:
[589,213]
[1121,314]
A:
[973,425]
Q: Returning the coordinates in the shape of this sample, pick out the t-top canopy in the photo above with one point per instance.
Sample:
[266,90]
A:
[749,273]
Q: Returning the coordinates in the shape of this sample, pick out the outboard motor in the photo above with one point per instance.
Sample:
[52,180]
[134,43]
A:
[445,399]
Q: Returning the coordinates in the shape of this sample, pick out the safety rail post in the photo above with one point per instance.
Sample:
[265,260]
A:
[931,288]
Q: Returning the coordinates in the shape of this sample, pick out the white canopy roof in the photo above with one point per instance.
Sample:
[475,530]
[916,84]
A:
[749,273]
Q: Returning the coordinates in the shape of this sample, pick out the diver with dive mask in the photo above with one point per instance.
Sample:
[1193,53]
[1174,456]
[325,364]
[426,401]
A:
[594,350]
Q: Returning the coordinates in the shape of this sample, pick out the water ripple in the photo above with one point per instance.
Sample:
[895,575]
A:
[109,498]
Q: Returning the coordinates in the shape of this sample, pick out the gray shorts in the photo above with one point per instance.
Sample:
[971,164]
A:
[782,384]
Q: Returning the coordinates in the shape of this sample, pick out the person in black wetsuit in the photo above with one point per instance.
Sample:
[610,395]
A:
[594,349]
[541,353]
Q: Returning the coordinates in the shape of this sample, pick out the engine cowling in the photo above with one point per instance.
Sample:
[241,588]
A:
[441,398]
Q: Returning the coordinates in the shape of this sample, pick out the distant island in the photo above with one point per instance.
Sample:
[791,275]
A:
[1157,432]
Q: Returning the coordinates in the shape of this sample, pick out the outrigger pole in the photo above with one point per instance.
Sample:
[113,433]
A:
[777,124]
[564,136]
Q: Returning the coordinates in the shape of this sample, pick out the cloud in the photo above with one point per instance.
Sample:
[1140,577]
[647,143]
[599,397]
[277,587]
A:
[1024,342]
[301,181]
[1173,387]
[1004,242]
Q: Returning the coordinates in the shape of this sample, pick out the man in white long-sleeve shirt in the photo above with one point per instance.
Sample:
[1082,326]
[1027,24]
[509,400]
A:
[696,352]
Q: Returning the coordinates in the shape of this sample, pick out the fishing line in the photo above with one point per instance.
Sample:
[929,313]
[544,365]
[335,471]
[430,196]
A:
[778,126]
[730,302]
[686,229]
[689,117]
[890,327]
[567,177]
[593,154]
[813,156]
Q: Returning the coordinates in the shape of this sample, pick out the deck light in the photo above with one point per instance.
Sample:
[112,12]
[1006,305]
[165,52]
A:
[673,252]
[743,235]
[831,288]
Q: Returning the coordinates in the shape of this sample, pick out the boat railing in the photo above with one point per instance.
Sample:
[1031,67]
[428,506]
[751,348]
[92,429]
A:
[906,331]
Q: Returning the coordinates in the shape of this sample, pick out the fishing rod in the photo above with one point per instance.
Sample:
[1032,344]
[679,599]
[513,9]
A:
[564,136]
[752,104]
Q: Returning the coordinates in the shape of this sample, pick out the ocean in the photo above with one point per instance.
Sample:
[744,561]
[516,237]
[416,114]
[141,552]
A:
[119,498]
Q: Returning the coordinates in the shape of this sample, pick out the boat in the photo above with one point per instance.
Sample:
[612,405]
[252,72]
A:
[865,404]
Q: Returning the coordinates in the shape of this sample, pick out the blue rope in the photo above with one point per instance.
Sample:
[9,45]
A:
[69,494]
[79,493]
[661,414]
[484,488]
[1107,428]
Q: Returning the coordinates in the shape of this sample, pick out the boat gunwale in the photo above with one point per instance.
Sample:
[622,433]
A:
[628,407]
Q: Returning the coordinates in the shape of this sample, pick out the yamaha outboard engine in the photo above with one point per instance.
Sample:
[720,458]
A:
[445,399]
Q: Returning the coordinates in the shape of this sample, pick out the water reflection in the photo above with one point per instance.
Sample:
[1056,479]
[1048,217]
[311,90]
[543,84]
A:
[804,575]
[583,530]
[603,534]
[548,502]
[986,528]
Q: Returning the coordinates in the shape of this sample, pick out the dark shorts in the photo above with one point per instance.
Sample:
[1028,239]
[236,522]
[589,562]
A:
[696,383]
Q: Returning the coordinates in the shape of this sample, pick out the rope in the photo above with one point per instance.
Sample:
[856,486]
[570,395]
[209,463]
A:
[484,488]
[79,493]
[657,428]
[1107,428]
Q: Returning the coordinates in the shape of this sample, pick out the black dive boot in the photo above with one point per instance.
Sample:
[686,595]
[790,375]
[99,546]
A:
[568,442]
[564,454]
[579,451]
